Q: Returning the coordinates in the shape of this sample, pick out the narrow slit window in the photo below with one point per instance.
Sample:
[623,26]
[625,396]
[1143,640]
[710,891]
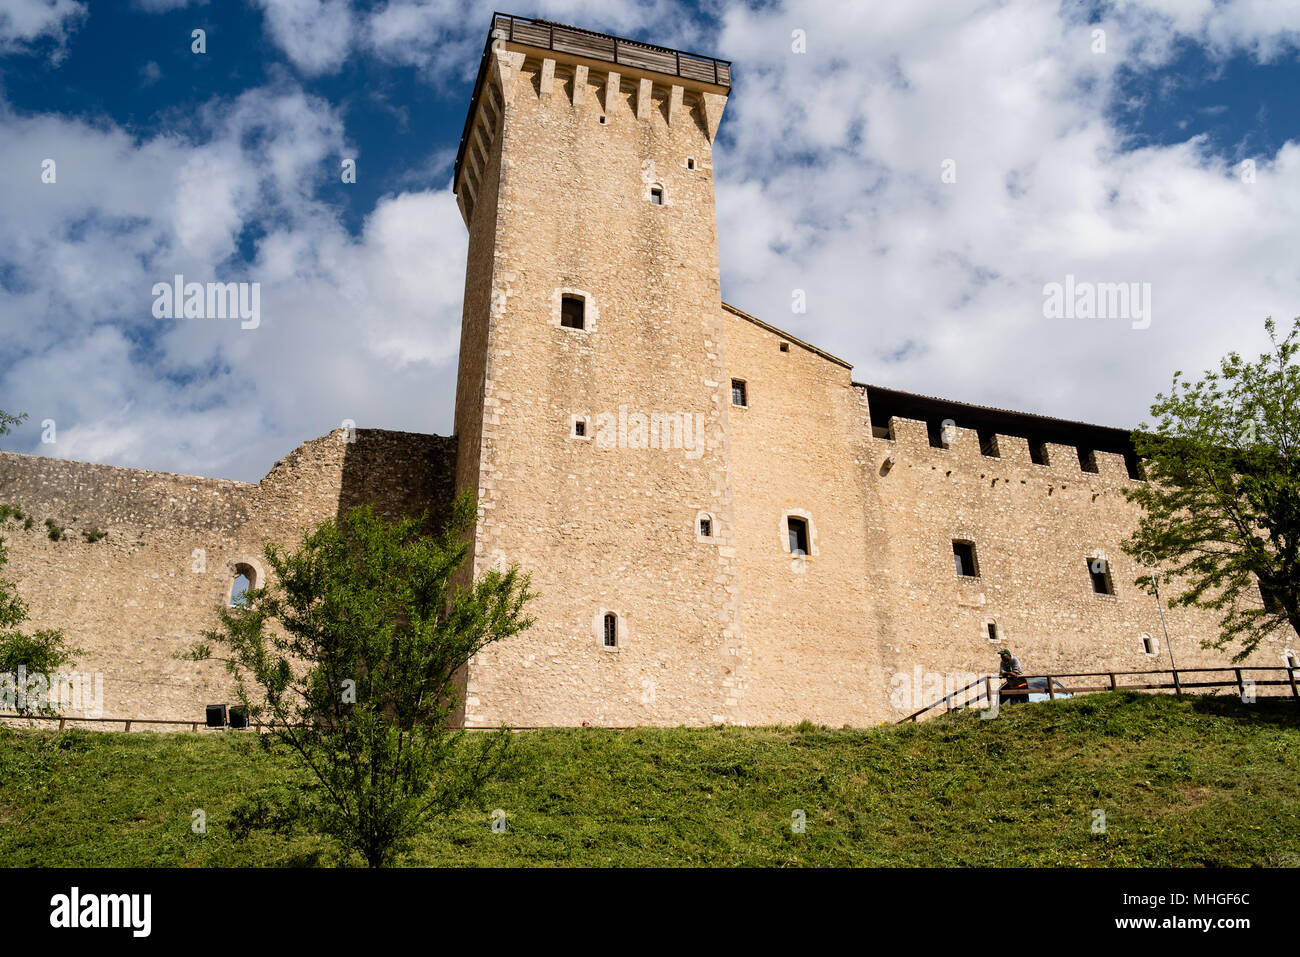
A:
[573,312]
[1148,647]
[706,527]
[798,529]
[738,394]
[579,428]
[963,555]
[611,630]
[657,195]
[993,631]
[690,162]
[1099,572]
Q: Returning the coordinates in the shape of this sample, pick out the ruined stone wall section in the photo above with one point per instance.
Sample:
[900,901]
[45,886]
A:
[151,586]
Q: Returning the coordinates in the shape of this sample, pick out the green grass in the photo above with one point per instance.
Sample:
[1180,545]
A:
[1184,783]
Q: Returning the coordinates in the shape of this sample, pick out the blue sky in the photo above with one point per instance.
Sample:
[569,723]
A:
[1118,161]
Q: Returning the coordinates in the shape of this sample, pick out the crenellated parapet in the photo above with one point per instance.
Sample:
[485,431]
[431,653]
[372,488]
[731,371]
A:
[613,79]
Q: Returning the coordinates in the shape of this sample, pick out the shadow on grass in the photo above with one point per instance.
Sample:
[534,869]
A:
[1276,711]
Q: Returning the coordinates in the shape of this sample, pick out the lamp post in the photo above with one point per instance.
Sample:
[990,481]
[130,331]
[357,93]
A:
[1155,580]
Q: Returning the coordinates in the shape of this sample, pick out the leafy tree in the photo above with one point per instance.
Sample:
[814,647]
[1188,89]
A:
[7,421]
[45,651]
[1222,508]
[349,654]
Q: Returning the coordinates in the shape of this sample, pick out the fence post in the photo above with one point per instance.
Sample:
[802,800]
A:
[1178,688]
[1051,692]
[1112,680]
[1241,688]
[1290,673]
[128,726]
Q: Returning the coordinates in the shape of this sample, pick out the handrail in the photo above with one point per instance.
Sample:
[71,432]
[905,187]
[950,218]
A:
[720,69]
[1238,681]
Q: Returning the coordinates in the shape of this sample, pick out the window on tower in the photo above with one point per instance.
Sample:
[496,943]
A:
[798,529]
[572,312]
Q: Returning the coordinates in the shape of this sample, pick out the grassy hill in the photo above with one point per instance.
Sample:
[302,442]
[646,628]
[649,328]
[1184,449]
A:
[1191,782]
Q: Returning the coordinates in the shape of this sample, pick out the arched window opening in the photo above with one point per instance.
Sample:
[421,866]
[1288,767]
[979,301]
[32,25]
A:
[245,578]
[611,630]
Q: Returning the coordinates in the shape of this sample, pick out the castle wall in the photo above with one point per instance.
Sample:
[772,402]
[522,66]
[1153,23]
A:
[150,587]
[810,624]
[1034,528]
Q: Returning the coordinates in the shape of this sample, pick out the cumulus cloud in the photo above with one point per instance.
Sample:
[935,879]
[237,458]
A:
[316,35]
[23,22]
[352,327]
[830,180]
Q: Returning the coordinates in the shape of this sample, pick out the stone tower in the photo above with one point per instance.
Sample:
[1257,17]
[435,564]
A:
[592,404]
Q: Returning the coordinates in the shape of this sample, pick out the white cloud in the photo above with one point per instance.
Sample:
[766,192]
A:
[359,327]
[315,34]
[828,180]
[23,22]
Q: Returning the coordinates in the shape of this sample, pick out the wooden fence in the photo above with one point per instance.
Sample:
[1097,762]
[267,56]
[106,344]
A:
[983,689]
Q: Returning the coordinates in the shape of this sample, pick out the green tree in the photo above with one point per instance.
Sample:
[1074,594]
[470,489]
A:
[1221,509]
[42,652]
[349,656]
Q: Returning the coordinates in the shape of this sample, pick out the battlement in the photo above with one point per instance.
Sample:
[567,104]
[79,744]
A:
[1057,446]
[595,70]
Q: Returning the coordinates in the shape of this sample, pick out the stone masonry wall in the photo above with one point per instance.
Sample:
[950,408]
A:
[604,526]
[1034,528]
[151,586]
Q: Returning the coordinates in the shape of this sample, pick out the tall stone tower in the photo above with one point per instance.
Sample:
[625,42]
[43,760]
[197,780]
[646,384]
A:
[592,404]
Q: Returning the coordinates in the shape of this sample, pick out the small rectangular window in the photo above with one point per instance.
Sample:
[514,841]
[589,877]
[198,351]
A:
[1099,572]
[993,631]
[579,428]
[706,528]
[572,312]
[738,396]
[798,535]
[656,196]
[963,554]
